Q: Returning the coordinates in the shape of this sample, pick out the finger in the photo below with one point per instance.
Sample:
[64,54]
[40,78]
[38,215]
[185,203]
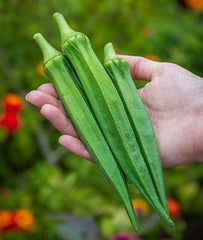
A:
[142,68]
[75,146]
[49,89]
[39,99]
[58,120]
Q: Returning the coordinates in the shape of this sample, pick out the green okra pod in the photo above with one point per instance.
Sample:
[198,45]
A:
[119,72]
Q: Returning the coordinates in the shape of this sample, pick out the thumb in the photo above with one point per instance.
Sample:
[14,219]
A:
[141,68]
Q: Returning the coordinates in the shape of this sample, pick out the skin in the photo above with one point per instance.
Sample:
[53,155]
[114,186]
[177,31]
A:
[173,99]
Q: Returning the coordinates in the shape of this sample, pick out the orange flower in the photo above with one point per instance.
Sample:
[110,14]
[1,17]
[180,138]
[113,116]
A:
[174,208]
[6,220]
[40,69]
[10,120]
[12,102]
[141,207]
[153,58]
[195,4]
[23,219]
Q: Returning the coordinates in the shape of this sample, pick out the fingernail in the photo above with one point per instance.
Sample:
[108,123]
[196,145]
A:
[26,97]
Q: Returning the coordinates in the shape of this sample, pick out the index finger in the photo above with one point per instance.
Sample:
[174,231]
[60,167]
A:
[49,89]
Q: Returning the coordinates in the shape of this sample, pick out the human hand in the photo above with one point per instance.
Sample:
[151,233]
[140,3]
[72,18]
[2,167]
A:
[174,102]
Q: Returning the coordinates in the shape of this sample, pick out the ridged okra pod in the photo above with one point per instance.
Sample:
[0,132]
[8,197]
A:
[119,72]
[109,112]
[85,124]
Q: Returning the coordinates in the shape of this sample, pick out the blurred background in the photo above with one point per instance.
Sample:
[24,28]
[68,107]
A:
[45,191]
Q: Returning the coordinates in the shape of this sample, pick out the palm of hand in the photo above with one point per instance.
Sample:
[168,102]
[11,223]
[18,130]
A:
[174,103]
[173,99]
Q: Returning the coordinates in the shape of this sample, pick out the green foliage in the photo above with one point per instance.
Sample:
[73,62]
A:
[37,174]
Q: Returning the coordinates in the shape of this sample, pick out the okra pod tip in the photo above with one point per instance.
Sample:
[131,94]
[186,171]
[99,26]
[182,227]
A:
[65,30]
[109,52]
[48,51]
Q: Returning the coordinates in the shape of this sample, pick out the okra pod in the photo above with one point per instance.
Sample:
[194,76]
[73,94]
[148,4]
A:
[119,72]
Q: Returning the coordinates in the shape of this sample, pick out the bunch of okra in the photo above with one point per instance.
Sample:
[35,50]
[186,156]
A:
[108,115]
